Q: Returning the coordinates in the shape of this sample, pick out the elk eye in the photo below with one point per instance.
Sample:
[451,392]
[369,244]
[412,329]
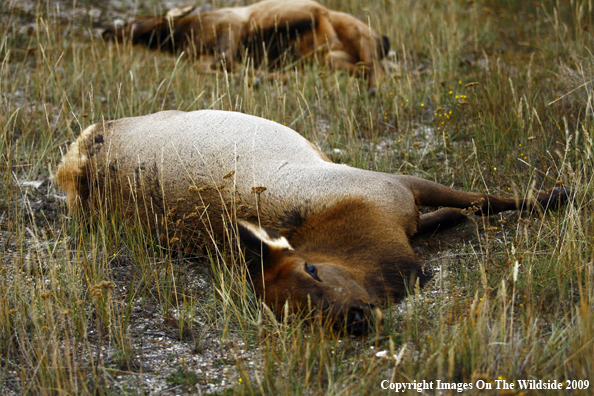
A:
[313,271]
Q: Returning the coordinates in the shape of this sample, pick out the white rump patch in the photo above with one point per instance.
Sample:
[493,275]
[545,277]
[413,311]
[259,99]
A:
[279,242]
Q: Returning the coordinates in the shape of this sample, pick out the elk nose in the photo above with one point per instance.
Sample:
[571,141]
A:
[356,321]
[362,319]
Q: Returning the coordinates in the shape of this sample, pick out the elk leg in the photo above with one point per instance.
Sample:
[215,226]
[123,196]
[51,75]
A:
[342,60]
[429,193]
[227,45]
[325,35]
[440,219]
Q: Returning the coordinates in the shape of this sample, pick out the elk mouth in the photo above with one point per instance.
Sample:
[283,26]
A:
[360,319]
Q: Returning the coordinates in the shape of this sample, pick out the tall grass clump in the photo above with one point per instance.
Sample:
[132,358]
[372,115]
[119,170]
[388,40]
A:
[494,96]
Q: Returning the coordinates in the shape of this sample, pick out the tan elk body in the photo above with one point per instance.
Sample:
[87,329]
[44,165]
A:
[332,235]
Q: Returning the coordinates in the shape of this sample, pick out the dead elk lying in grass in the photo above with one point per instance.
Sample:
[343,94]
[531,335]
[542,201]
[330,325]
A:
[271,31]
[333,236]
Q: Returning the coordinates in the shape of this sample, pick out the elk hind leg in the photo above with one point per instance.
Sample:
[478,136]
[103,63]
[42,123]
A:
[428,193]
[325,36]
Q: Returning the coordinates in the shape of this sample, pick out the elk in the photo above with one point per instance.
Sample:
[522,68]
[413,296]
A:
[271,32]
[323,235]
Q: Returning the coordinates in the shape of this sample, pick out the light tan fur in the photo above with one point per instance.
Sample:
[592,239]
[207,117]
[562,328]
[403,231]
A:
[73,168]
[334,236]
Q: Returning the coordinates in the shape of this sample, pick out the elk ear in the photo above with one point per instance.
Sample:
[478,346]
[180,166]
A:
[261,242]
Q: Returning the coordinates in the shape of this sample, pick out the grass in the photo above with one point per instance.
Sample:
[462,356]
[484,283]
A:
[481,95]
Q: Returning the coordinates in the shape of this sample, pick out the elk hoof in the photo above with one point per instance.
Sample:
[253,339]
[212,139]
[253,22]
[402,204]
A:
[555,197]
